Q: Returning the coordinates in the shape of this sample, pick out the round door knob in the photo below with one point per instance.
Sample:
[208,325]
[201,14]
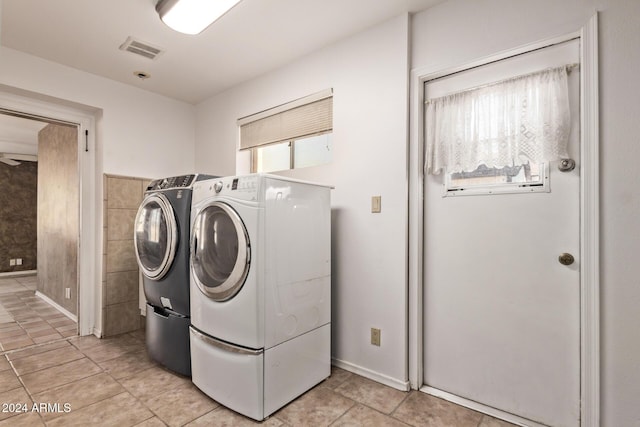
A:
[566,259]
[217,187]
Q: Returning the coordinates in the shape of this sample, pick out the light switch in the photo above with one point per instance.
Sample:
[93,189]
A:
[376,204]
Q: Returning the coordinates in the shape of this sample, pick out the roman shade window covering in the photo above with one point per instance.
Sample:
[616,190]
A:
[506,123]
[312,115]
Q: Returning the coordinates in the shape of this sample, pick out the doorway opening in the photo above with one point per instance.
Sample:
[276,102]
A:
[40,222]
[588,263]
[71,160]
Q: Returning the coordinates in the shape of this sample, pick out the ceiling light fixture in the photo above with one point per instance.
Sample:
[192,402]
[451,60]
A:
[192,16]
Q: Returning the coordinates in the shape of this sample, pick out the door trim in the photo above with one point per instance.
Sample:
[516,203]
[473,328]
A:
[590,227]
[89,257]
[589,215]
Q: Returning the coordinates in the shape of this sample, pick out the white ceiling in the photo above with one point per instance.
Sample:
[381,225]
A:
[253,38]
[19,135]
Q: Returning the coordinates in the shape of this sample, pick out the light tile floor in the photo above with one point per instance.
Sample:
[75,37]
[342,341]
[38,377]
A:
[9,286]
[112,382]
[27,318]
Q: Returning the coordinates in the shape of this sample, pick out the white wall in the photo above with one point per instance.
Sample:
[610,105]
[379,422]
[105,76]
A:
[138,133]
[149,135]
[460,31]
[368,73]
[620,208]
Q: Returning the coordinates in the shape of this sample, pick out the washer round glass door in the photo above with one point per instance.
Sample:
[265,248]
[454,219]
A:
[155,236]
[220,251]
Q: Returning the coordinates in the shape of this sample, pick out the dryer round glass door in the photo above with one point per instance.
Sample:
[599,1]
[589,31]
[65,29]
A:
[155,236]
[220,251]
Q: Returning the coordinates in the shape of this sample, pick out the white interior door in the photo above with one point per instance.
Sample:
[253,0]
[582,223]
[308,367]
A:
[501,313]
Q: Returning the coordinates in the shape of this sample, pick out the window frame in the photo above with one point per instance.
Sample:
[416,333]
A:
[292,144]
[541,186]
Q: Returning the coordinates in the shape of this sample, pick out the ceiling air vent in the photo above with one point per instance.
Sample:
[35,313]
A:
[141,48]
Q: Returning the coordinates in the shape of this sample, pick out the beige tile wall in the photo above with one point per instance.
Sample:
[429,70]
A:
[120,278]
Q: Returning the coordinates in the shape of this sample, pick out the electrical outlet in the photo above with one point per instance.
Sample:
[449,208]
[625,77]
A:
[12,262]
[67,293]
[375,336]
[376,204]
[18,261]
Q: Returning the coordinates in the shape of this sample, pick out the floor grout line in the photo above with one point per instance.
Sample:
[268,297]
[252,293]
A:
[130,343]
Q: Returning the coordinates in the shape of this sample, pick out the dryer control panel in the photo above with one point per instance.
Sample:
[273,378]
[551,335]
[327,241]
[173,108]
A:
[238,187]
[245,183]
[171,182]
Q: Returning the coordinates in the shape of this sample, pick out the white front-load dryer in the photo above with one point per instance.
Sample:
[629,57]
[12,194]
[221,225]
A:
[260,290]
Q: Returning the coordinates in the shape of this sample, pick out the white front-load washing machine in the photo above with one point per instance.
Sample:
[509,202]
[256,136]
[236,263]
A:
[260,266]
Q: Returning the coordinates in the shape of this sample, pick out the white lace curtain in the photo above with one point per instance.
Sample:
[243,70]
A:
[507,123]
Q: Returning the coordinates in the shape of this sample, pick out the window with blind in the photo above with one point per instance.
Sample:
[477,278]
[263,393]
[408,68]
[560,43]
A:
[291,136]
